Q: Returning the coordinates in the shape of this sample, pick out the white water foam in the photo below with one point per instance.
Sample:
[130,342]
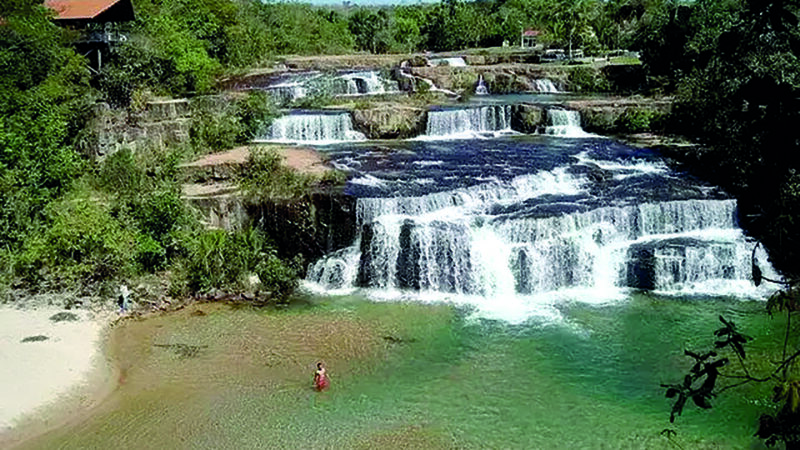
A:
[469,123]
[565,123]
[309,128]
[450,247]
[545,86]
[625,169]
[452,62]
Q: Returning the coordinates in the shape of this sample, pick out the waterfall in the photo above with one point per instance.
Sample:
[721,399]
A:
[565,123]
[286,92]
[290,87]
[452,62]
[469,122]
[438,244]
[367,83]
[320,128]
[545,85]
[481,89]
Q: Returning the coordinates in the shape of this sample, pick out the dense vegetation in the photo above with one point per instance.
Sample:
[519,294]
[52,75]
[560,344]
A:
[72,222]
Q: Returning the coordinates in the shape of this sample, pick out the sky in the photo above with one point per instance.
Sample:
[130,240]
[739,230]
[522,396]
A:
[363,2]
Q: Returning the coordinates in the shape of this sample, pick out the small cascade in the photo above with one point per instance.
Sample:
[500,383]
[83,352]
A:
[565,123]
[286,92]
[481,89]
[310,128]
[289,88]
[452,62]
[366,83]
[469,122]
[545,86]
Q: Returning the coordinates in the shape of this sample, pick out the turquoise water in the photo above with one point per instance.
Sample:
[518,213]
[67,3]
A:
[590,382]
[410,375]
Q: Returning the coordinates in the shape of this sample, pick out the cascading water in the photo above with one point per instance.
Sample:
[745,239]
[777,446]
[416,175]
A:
[366,83]
[480,88]
[452,62]
[545,85]
[287,92]
[565,123]
[310,128]
[513,247]
[469,122]
[289,88]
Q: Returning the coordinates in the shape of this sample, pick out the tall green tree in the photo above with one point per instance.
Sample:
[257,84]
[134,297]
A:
[44,103]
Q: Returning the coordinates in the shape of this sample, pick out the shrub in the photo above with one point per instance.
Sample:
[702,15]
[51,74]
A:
[160,212]
[265,178]
[221,122]
[256,112]
[223,260]
[120,172]
[215,130]
[150,254]
[587,79]
[638,120]
[82,245]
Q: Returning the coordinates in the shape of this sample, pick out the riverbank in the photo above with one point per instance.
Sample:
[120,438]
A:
[53,366]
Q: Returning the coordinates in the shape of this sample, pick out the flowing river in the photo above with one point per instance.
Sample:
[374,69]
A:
[515,292]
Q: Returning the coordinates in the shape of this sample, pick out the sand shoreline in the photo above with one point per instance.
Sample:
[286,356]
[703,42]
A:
[45,383]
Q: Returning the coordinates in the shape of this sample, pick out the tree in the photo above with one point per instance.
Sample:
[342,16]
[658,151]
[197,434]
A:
[44,103]
[366,26]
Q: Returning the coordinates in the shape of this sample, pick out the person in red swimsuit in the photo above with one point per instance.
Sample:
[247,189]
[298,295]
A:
[321,381]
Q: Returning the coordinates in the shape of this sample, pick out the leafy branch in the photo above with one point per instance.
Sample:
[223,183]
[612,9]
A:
[700,384]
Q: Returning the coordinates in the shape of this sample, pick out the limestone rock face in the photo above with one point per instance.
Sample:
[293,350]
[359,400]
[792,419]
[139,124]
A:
[528,118]
[390,121]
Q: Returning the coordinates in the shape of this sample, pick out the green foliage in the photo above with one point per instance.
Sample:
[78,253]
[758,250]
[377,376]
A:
[219,123]
[316,100]
[256,112]
[44,102]
[265,178]
[146,197]
[587,79]
[215,130]
[121,172]
[84,244]
[224,260]
[305,30]
[638,120]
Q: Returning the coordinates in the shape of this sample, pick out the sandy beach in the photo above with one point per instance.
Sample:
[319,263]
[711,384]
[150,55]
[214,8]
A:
[38,375]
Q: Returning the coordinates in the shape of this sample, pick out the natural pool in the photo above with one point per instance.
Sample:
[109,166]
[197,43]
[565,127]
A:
[410,375]
[524,292]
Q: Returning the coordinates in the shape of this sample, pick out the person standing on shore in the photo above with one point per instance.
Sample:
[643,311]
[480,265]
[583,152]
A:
[124,299]
[321,381]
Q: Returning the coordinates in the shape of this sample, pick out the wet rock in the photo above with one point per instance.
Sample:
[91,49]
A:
[182,350]
[64,316]
[390,121]
[407,259]
[365,264]
[527,118]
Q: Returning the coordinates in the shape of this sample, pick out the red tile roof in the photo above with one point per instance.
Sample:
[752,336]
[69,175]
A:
[79,9]
[531,33]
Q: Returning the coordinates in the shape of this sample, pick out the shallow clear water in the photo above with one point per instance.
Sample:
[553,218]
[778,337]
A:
[418,376]
[477,315]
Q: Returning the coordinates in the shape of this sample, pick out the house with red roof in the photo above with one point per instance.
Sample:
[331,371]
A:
[96,19]
[529,38]
[83,12]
